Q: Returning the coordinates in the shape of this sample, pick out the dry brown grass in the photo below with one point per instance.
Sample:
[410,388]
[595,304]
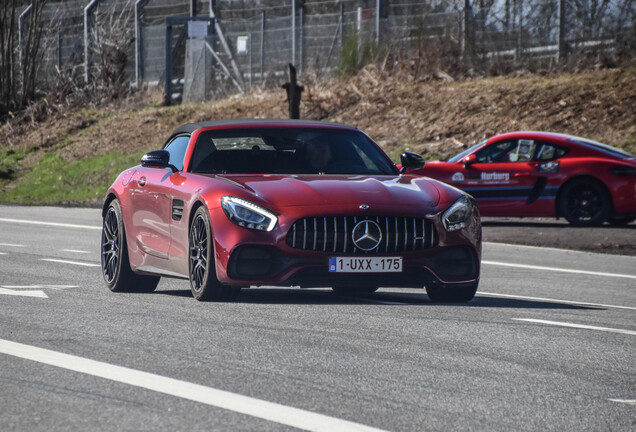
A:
[435,116]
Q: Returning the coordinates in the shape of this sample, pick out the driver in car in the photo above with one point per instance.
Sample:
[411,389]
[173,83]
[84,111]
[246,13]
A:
[318,155]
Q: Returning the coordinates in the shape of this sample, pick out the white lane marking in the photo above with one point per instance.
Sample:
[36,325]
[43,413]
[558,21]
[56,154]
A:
[22,293]
[577,326]
[12,245]
[74,251]
[544,299]
[2,253]
[556,269]
[625,401]
[545,248]
[55,224]
[270,411]
[55,287]
[85,264]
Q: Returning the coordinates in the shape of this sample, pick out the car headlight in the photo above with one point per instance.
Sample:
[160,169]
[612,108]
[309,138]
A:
[247,214]
[457,215]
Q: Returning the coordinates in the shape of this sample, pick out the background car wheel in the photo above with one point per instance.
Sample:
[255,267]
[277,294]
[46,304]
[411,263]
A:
[584,202]
[116,269]
[203,282]
[451,293]
[354,290]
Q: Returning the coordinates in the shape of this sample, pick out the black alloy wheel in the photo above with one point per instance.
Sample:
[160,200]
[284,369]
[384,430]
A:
[584,203]
[203,282]
[116,269]
[111,249]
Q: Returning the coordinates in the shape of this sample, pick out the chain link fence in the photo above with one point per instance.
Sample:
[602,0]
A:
[123,42]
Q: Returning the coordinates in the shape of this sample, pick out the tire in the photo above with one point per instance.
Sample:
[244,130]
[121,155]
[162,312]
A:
[203,282]
[621,221]
[584,202]
[440,293]
[354,290]
[116,269]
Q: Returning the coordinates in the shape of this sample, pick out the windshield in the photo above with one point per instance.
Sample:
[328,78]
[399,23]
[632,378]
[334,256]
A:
[458,157]
[288,151]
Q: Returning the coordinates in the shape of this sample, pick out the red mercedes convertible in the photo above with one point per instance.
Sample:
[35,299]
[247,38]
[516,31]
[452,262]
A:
[232,204]
[530,174]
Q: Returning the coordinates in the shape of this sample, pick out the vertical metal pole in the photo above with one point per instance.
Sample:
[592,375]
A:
[251,70]
[87,10]
[21,18]
[519,31]
[193,8]
[359,31]
[168,72]
[138,44]
[86,44]
[341,25]
[59,51]
[561,54]
[377,22]
[300,45]
[293,33]
[262,45]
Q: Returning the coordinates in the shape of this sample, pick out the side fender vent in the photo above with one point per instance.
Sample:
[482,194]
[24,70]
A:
[177,209]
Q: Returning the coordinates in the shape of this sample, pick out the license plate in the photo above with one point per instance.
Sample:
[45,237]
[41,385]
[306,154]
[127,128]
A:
[365,265]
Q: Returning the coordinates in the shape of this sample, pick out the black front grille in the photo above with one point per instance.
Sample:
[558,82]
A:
[333,234]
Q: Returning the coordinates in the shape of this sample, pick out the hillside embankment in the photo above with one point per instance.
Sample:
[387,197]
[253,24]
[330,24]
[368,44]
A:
[71,155]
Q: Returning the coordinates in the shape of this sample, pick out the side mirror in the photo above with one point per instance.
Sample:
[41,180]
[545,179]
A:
[469,160]
[411,161]
[157,159]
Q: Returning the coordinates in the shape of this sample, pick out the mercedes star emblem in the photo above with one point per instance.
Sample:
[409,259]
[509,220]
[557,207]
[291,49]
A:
[366,235]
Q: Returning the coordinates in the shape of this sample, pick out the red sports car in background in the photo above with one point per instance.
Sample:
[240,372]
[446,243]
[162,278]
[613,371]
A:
[544,174]
[233,204]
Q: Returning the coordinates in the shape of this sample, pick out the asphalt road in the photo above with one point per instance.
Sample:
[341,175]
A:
[550,232]
[548,344]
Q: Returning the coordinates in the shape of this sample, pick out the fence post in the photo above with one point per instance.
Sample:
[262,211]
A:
[168,71]
[467,40]
[377,22]
[359,31]
[519,31]
[293,33]
[87,11]
[300,42]
[262,46]
[21,18]
[561,50]
[341,25]
[251,69]
[139,4]
[59,50]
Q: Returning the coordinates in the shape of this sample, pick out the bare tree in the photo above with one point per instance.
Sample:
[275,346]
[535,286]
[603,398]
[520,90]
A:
[18,82]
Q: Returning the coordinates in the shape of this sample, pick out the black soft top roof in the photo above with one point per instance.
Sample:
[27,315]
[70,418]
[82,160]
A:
[191,127]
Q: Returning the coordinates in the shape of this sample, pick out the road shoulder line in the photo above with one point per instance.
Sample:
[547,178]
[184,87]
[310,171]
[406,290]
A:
[281,414]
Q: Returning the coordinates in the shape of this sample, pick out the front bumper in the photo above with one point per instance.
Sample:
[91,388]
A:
[266,265]
[248,258]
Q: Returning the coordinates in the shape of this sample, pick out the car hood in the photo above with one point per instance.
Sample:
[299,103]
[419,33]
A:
[383,193]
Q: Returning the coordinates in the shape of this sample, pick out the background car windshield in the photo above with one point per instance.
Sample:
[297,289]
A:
[456,158]
[288,151]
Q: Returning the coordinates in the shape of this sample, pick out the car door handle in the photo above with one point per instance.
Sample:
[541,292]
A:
[141,181]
